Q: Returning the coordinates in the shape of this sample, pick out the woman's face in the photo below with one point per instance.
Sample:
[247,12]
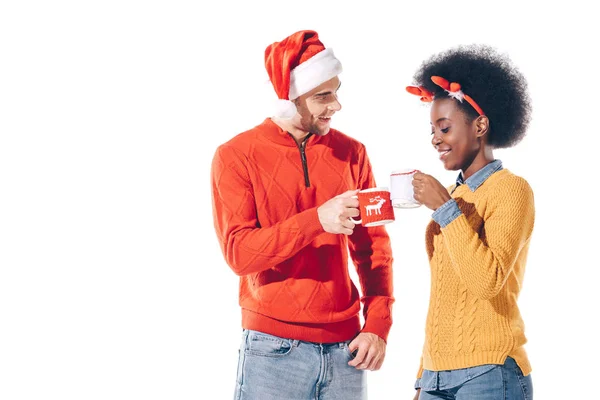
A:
[453,135]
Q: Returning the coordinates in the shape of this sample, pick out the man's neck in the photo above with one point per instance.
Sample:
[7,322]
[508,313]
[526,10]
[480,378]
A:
[286,125]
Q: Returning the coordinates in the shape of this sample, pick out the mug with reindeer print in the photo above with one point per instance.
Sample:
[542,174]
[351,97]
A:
[375,207]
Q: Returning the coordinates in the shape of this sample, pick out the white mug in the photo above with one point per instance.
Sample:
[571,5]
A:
[402,191]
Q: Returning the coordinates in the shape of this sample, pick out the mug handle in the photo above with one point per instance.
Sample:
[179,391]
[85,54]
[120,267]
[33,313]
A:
[352,219]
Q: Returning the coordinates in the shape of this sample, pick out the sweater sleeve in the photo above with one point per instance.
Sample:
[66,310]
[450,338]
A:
[484,265]
[247,247]
[371,252]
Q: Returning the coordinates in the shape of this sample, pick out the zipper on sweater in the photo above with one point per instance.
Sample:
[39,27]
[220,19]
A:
[304,164]
[302,148]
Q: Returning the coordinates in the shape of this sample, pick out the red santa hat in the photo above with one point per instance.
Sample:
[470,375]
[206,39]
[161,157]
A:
[297,65]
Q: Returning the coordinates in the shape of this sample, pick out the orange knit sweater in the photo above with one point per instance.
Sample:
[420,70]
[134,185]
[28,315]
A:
[294,278]
[477,267]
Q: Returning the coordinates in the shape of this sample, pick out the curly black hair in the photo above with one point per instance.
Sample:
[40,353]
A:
[491,79]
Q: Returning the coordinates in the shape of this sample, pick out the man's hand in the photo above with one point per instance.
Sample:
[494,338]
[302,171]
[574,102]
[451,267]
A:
[429,191]
[334,213]
[371,351]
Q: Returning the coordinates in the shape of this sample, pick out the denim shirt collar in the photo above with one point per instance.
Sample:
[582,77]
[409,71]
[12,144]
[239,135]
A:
[480,176]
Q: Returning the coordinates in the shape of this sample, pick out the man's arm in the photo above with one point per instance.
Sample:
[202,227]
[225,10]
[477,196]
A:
[371,253]
[247,247]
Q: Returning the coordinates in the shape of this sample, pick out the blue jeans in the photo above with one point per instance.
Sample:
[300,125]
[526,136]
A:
[497,382]
[274,368]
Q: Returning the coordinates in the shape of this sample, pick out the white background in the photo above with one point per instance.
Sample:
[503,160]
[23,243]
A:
[112,284]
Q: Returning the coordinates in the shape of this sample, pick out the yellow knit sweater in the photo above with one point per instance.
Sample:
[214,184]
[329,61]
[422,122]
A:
[477,266]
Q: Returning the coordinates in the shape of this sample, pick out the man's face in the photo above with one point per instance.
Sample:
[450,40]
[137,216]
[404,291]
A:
[316,107]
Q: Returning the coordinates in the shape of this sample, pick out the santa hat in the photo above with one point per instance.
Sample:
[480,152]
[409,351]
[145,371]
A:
[297,65]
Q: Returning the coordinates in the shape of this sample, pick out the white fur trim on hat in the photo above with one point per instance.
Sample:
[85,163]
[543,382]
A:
[284,109]
[318,69]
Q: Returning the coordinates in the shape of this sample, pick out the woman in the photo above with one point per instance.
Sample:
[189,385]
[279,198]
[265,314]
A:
[481,227]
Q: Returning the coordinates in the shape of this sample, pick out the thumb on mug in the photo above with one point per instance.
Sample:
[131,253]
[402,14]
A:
[349,193]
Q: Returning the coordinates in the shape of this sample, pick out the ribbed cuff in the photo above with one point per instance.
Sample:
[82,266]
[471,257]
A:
[378,326]
[309,224]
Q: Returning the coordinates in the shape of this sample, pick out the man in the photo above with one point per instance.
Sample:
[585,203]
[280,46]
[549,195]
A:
[283,193]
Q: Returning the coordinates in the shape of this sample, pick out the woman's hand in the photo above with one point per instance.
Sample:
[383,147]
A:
[417,394]
[429,191]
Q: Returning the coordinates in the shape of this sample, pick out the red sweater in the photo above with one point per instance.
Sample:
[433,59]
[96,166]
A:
[294,278]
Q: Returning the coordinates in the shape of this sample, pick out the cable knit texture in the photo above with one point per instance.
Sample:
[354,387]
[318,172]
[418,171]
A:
[477,265]
[294,278]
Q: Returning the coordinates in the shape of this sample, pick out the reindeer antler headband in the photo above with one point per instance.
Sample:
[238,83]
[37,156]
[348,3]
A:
[452,88]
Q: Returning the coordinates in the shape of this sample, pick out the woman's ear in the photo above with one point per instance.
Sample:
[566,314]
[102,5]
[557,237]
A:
[482,125]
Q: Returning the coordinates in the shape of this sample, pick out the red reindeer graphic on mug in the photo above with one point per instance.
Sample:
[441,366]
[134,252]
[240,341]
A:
[375,207]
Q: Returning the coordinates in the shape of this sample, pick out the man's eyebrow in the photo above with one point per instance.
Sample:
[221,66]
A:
[328,92]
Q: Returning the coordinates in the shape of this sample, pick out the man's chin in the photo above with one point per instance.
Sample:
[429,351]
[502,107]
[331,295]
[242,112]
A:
[320,130]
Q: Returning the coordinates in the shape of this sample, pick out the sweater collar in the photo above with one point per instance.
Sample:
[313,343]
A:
[274,133]
[477,179]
